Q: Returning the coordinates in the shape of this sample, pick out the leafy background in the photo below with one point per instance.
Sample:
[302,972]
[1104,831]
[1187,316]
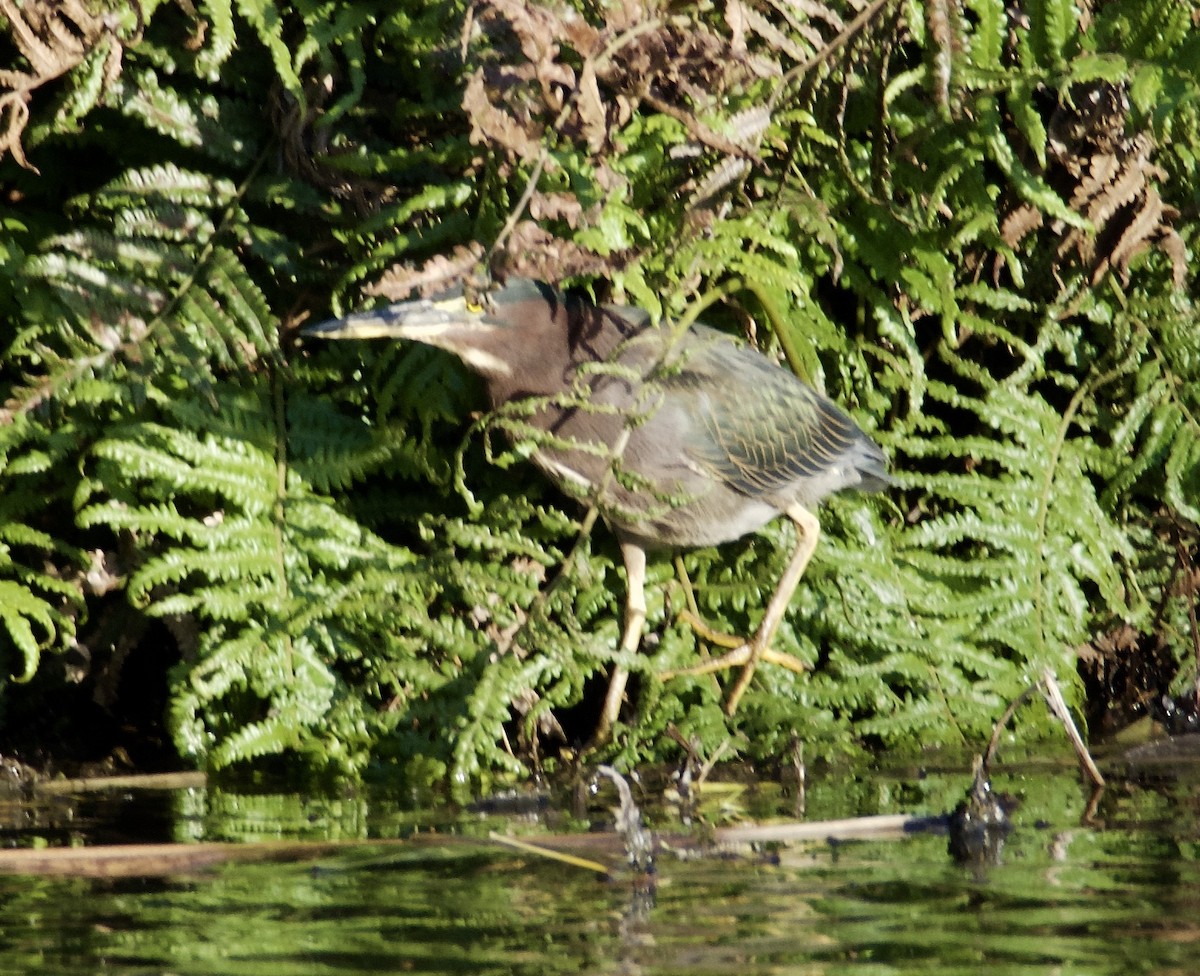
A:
[970,222]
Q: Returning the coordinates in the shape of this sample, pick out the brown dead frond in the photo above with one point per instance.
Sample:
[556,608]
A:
[551,72]
[403,280]
[532,251]
[725,173]
[53,36]
[549,77]
[1106,175]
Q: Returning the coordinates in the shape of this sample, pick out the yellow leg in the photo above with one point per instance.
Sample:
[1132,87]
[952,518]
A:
[635,620]
[690,614]
[706,633]
[758,648]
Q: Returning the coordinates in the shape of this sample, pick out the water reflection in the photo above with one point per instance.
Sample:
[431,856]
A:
[1117,896]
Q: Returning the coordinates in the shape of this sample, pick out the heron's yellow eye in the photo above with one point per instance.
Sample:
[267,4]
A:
[474,307]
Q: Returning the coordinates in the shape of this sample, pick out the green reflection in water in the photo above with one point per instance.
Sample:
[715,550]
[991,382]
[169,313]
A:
[1116,896]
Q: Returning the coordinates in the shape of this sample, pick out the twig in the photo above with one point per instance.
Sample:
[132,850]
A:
[851,828]
[152,860]
[1058,708]
[550,855]
[1002,724]
[639,842]
[828,50]
[100,784]
[1047,684]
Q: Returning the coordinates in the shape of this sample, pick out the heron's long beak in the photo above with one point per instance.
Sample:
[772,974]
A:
[422,321]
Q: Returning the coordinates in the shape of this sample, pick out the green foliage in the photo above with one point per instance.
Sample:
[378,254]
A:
[964,224]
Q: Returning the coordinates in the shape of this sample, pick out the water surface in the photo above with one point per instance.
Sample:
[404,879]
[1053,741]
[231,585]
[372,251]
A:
[1114,889]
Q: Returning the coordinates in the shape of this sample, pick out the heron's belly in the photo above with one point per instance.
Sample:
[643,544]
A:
[678,509]
[691,525]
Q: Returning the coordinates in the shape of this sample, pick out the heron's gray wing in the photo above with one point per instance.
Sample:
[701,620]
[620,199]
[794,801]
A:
[760,429]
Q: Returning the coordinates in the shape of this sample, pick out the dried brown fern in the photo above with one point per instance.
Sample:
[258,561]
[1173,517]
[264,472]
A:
[552,77]
[1106,175]
[547,77]
[402,280]
[53,36]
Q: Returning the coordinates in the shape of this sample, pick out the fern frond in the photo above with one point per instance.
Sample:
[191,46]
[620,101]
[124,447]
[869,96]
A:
[30,623]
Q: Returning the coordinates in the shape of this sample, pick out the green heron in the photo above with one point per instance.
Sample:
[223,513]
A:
[680,438]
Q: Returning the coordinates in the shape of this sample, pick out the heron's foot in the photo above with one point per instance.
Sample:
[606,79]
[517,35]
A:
[747,656]
[705,632]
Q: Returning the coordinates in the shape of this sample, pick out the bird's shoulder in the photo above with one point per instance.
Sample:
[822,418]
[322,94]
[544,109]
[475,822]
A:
[711,364]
